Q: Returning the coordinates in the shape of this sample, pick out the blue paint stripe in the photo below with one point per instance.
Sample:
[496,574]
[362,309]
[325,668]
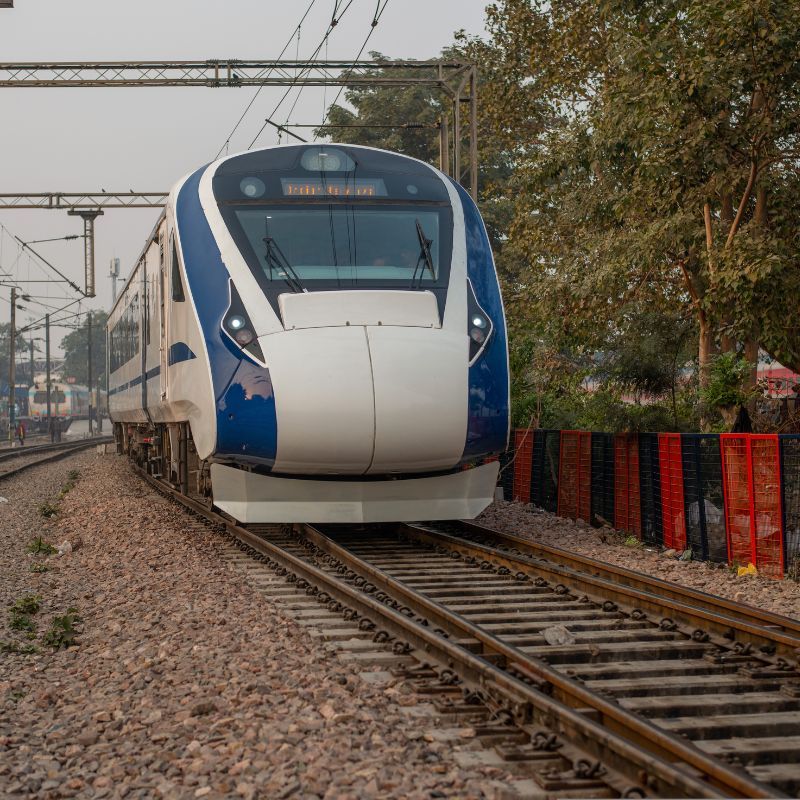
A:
[132,384]
[180,351]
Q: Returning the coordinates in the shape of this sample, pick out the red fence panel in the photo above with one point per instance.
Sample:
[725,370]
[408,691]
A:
[523,462]
[627,499]
[753,515]
[670,462]
[575,475]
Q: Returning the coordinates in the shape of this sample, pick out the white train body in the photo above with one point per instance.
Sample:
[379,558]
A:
[309,332]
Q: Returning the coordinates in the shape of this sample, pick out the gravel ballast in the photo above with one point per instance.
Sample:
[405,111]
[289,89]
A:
[185,681]
[603,544]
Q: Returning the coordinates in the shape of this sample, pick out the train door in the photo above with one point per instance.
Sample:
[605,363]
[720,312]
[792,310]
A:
[162,315]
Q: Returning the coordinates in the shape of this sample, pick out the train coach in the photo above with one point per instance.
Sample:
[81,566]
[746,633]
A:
[315,333]
[68,402]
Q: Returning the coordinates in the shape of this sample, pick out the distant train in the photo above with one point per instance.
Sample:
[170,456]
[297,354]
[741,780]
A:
[315,333]
[68,402]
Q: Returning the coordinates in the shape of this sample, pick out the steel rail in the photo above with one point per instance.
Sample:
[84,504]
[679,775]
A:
[695,605]
[57,456]
[6,454]
[564,688]
[622,755]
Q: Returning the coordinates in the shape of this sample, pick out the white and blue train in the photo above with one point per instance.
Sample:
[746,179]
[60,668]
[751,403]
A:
[315,333]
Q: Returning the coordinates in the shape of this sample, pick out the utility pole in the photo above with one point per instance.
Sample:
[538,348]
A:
[31,375]
[12,365]
[114,273]
[47,370]
[88,216]
[89,334]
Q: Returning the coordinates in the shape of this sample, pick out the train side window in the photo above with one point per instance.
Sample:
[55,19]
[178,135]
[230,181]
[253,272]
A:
[177,286]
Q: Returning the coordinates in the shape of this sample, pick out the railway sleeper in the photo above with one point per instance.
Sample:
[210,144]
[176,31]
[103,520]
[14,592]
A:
[753,702]
[784,776]
[679,685]
[728,726]
[622,670]
[752,751]
[613,651]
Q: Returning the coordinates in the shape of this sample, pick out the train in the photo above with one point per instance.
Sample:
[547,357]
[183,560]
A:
[315,333]
[68,402]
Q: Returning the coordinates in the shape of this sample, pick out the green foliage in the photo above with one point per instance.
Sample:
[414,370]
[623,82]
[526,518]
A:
[63,630]
[727,375]
[76,351]
[48,510]
[39,568]
[28,604]
[17,649]
[21,611]
[39,546]
[640,115]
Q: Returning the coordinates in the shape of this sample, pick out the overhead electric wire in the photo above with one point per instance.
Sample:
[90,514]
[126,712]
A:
[255,96]
[333,23]
[375,20]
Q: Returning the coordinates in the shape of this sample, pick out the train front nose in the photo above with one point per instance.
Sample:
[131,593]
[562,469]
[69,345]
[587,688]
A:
[368,398]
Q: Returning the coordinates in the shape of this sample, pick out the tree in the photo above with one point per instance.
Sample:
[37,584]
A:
[662,166]
[76,351]
[22,346]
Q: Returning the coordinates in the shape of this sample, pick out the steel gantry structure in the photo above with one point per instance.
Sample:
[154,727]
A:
[457,80]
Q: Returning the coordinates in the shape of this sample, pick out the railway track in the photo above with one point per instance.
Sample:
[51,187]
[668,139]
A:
[20,459]
[608,684]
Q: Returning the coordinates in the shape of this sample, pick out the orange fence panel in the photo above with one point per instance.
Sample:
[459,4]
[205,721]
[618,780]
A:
[523,463]
[753,514]
[575,475]
[627,500]
[670,462]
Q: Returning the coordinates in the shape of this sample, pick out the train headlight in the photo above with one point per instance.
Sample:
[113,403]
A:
[479,326]
[237,326]
[479,321]
[326,159]
[252,187]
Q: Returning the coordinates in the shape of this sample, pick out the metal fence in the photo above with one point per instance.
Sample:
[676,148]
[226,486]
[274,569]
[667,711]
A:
[731,498]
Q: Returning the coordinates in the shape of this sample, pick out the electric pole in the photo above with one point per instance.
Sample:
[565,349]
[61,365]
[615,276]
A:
[12,365]
[30,383]
[47,370]
[89,334]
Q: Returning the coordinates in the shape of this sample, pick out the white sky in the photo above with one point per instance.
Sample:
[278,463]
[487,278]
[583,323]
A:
[77,140]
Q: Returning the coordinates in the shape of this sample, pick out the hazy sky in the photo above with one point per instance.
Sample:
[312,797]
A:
[76,140]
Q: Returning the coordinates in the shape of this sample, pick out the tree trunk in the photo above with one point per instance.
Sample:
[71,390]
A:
[705,353]
[751,356]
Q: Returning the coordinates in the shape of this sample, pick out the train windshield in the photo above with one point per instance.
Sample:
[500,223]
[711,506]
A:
[343,245]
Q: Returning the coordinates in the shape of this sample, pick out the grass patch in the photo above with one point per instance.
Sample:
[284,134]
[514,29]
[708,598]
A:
[39,568]
[63,631]
[28,604]
[8,648]
[72,477]
[40,546]
[632,541]
[21,613]
[48,510]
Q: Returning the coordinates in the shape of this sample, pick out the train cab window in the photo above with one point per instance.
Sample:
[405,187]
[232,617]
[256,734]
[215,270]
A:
[177,285]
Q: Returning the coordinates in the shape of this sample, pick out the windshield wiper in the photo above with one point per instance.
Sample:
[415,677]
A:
[277,260]
[424,253]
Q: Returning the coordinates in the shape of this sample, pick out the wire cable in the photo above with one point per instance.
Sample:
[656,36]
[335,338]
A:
[296,31]
[375,20]
[333,23]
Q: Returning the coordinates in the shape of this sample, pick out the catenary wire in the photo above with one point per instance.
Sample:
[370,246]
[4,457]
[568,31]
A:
[295,32]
